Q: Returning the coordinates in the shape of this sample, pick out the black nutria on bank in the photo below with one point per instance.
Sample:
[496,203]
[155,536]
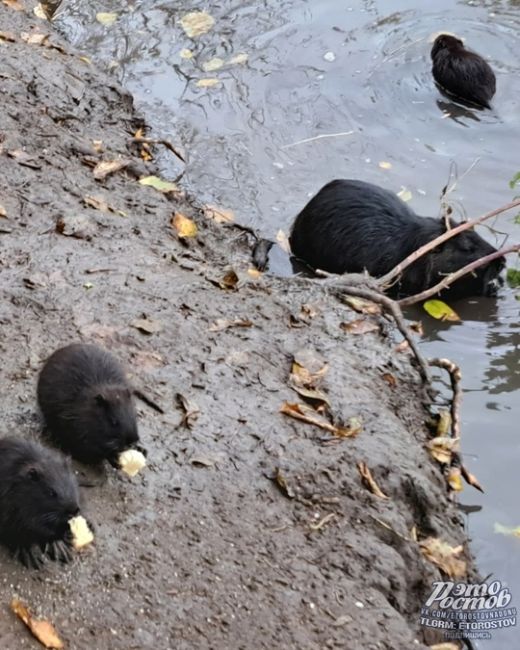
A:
[38,497]
[87,404]
[352,226]
[462,73]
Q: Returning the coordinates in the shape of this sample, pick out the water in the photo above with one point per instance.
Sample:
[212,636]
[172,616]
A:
[357,73]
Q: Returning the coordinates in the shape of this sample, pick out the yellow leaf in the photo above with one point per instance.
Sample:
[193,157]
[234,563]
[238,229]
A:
[440,310]
[158,184]
[197,23]
[185,227]
[186,54]
[442,448]
[208,83]
[213,64]
[506,530]
[254,273]
[106,18]
[238,59]
[444,556]
[404,194]
[385,165]
[454,479]
[41,630]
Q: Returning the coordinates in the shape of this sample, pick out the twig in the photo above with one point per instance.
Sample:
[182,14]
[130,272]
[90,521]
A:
[165,143]
[144,398]
[397,270]
[455,378]
[452,277]
[317,137]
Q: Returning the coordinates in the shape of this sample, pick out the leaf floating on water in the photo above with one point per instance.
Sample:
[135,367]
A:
[219,215]
[442,448]
[185,227]
[197,23]
[40,629]
[441,311]
[369,482]
[499,529]
[513,278]
[385,165]
[213,64]
[404,194]
[158,184]
[444,556]
[106,18]
[208,83]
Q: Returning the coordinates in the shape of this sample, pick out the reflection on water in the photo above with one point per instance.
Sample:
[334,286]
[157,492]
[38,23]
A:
[332,89]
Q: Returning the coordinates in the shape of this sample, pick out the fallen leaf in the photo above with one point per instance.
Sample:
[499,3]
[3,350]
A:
[385,165]
[282,483]
[443,423]
[33,38]
[368,480]
[390,379]
[147,326]
[186,54]
[440,310]
[222,324]
[254,273]
[208,83]
[283,241]
[77,226]
[101,205]
[513,278]
[404,194]
[8,37]
[25,159]
[3,212]
[158,184]
[442,448]
[238,59]
[219,215]
[185,227]
[196,23]
[362,306]
[454,478]
[404,346]
[444,556]
[360,326]
[49,8]
[14,4]
[309,415]
[499,529]
[213,64]
[229,281]
[40,629]
[307,372]
[107,167]
[106,18]
[417,327]
[190,409]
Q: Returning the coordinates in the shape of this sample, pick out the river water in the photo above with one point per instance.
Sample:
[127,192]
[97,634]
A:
[312,90]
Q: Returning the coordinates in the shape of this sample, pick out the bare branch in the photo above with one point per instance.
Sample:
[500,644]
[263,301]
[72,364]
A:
[455,378]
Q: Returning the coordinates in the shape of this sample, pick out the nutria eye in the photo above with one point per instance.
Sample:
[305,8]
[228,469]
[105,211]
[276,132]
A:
[53,493]
[33,474]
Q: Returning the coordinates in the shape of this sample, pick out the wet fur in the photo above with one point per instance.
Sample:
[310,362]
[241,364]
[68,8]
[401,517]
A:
[352,226]
[38,496]
[462,73]
[87,404]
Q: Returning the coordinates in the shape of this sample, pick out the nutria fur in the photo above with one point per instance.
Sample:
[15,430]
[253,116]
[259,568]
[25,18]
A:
[462,73]
[352,226]
[38,496]
[87,404]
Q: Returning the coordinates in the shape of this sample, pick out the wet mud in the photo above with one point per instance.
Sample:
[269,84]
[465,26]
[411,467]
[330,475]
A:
[203,549]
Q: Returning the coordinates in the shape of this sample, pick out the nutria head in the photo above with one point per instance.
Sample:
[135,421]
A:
[446,42]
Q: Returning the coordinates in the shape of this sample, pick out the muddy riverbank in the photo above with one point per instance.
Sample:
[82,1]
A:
[249,529]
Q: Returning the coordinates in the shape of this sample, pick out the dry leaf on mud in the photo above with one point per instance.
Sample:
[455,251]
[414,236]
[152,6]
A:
[222,324]
[190,410]
[33,38]
[77,226]
[281,481]
[442,447]
[254,273]
[25,159]
[506,530]
[307,372]
[390,379]
[3,212]
[184,226]
[283,241]
[107,167]
[362,306]
[239,59]
[8,37]
[106,18]
[444,556]
[208,82]
[308,414]
[40,629]
[404,346]
[48,8]
[147,325]
[101,205]
[185,53]
[454,479]
[197,23]
[158,184]
[368,480]
[228,282]
[440,310]
[213,64]
[360,326]
[219,215]
[14,4]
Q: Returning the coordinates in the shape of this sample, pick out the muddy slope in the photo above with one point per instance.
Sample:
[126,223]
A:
[204,549]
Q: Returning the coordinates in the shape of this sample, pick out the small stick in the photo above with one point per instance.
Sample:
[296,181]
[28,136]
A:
[397,270]
[317,137]
[165,143]
[144,398]
[452,277]
[455,378]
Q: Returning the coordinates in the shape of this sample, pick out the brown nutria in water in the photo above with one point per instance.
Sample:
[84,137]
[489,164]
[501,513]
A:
[87,404]
[462,73]
[38,497]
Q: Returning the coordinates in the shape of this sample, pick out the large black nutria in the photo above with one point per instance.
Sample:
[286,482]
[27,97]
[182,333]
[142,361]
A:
[352,226]
[462,73]
[87,404]
[38,496]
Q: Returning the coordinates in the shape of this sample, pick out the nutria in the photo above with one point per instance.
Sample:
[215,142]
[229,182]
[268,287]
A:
[352,226]
[87,404]
[462,73]
[38,496]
